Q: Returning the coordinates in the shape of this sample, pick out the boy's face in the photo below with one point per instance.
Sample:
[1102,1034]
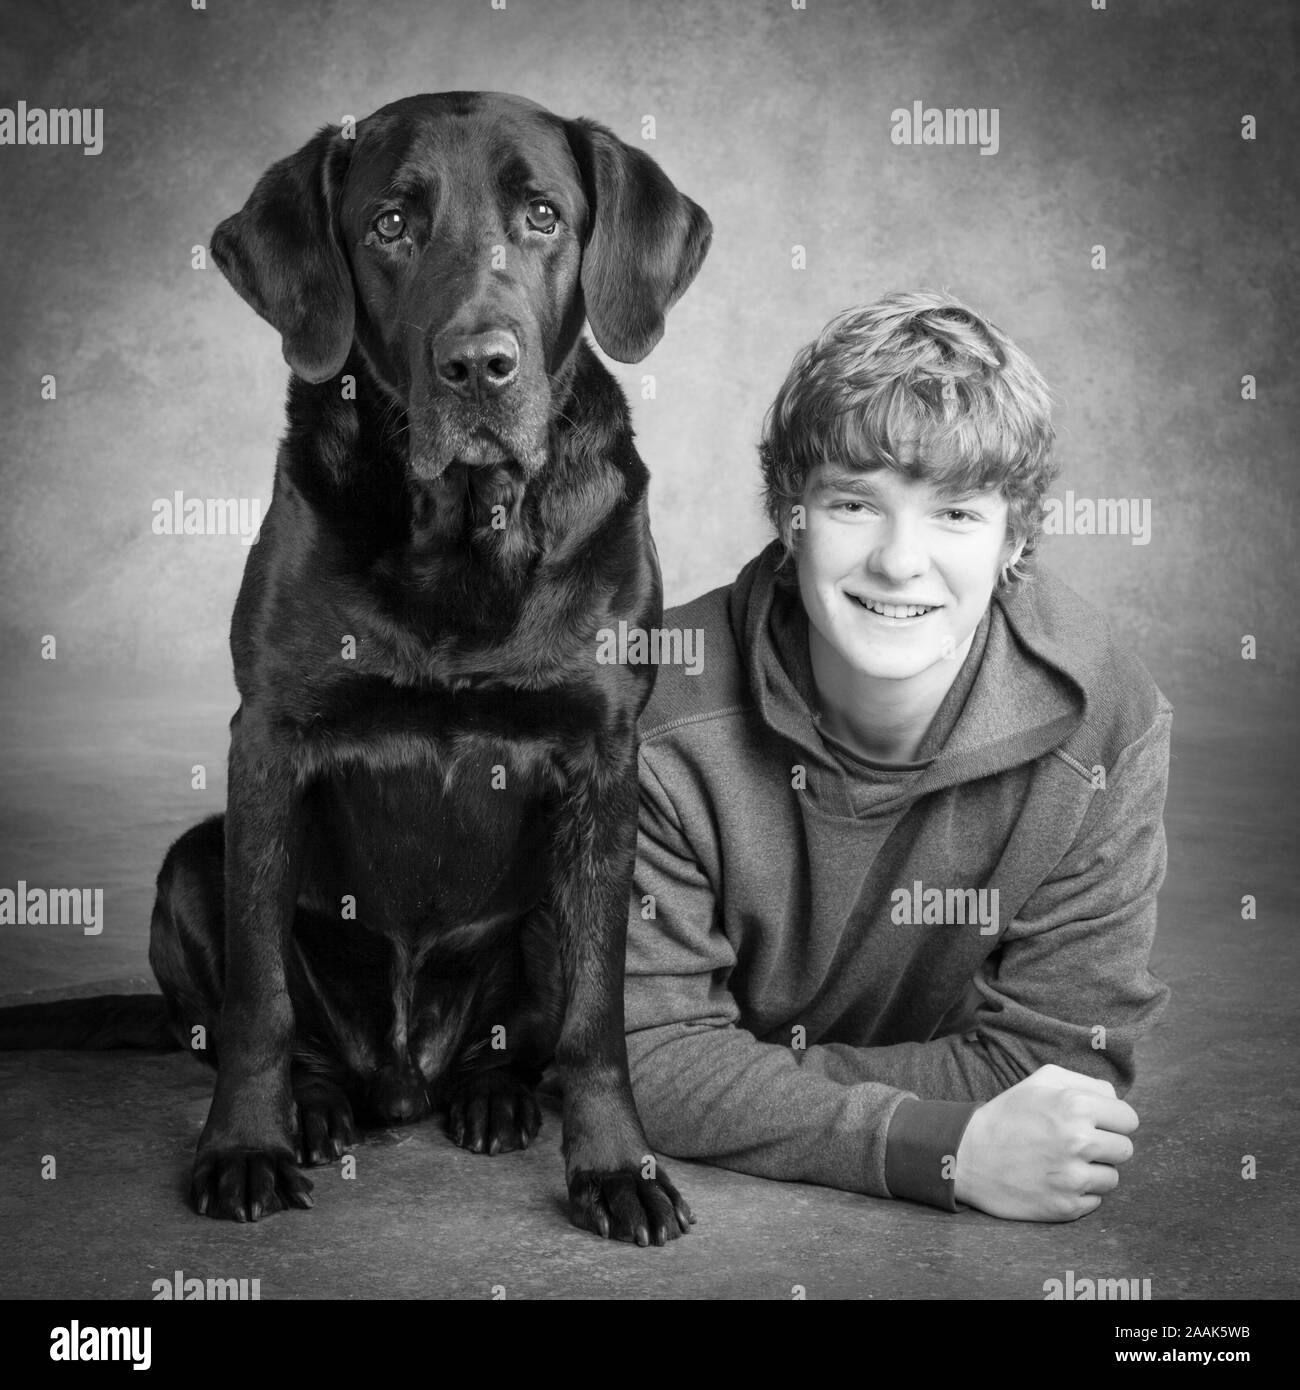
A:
[879,539]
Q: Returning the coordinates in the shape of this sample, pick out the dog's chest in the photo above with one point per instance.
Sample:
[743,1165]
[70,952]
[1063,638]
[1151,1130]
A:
[419,850]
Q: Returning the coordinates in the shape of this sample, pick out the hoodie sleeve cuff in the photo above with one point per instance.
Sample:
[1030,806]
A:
[922,1135]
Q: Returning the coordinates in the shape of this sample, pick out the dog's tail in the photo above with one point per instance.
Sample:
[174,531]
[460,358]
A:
[93,1024]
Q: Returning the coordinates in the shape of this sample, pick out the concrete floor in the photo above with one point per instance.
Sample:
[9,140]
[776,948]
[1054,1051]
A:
[93,799]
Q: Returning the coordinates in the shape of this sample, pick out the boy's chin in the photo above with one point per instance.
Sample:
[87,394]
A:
[889,666]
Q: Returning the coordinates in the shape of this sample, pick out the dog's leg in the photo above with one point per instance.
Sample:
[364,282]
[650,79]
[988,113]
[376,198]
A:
[187,947]
[187,950]
[485,1050]
[616,1186]
[245,1168]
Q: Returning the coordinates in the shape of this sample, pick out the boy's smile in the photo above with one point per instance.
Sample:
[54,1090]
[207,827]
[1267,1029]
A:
[895,573]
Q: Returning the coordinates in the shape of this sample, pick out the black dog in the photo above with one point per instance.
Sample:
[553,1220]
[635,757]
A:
[418,895]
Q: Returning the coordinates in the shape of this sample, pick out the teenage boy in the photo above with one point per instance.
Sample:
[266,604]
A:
[900,839]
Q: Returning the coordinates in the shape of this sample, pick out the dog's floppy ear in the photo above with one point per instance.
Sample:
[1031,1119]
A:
[281,252]
[644,246]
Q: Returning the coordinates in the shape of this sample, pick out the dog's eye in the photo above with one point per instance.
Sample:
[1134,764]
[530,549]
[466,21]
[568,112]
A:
[542,217]
[390,225]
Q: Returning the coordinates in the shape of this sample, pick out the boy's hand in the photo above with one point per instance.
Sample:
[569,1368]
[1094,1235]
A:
[1047,1149]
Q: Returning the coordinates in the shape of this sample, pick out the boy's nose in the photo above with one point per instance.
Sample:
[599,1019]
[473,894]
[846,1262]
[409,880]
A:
[900,553]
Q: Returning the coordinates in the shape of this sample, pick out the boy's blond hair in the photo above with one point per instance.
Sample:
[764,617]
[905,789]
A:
[922,384]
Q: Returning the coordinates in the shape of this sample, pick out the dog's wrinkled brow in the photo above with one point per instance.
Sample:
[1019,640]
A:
[407,186]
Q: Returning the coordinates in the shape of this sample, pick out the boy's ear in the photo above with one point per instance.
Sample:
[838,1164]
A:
[645,241]
[281,252]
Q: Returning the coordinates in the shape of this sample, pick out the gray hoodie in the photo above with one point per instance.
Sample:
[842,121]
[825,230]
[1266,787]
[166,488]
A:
[830,964]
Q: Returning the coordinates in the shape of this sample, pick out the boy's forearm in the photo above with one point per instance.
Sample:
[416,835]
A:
[718,1094]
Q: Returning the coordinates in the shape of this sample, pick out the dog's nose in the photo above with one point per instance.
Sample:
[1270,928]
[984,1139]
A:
[477,364]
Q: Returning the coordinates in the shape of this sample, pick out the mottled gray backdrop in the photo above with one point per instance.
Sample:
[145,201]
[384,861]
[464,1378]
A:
[1118,128]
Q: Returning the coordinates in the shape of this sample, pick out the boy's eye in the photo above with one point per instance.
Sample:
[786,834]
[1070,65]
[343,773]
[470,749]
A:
[960,515]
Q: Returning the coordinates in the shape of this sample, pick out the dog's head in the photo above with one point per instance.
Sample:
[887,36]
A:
[460,240]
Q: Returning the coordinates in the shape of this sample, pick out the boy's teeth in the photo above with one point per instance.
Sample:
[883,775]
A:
[895,610]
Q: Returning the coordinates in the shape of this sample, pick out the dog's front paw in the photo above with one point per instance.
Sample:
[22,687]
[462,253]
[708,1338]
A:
[246,1184]
[492,1112]
[629,1206]
[325,1126]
